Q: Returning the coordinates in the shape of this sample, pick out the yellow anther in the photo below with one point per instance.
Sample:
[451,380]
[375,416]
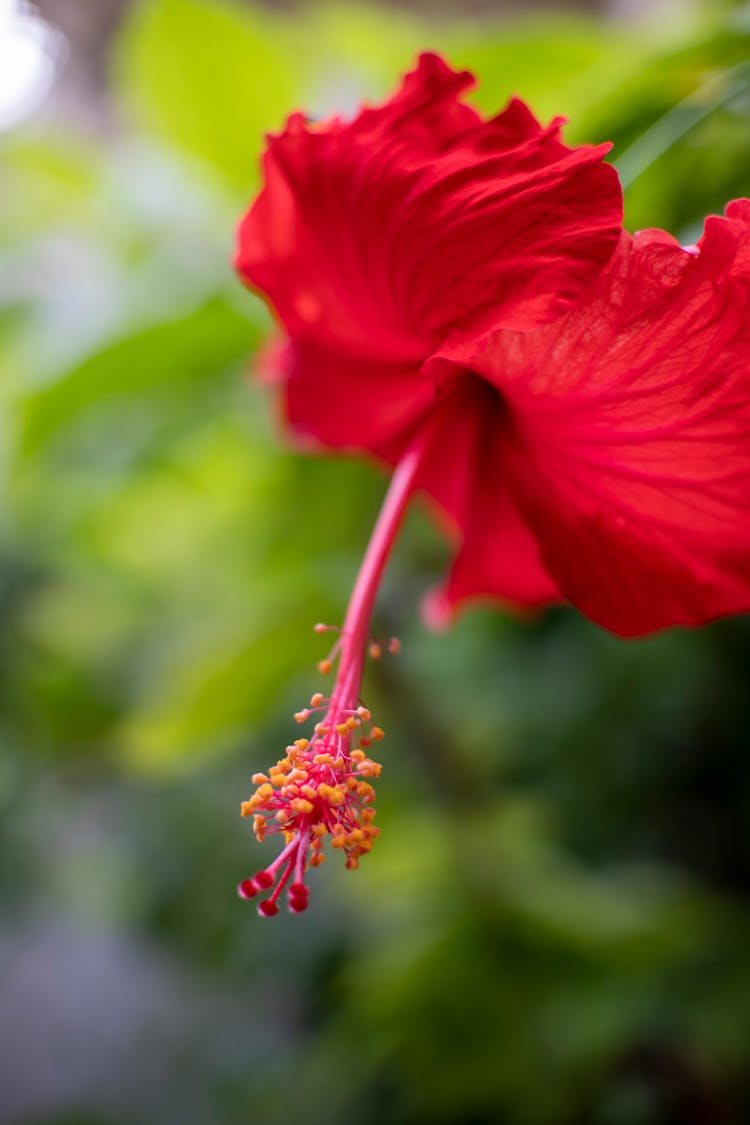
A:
[288,837]
[377,734]
[301,743]
[283,816]
[321,728]
[264,791]
[338,829]
[323,760]
[338,842]
[364,713]
[356,836]
[302,716]
[298,774]
[309,792]
[333,794]
[324,667]
[258,778]
[352,863]
[368,768]
[321,628]
[368,815]
[248,807]
[358,756]
[259,828]
[365,791]
[343,728]
[375,651]
[317,699]
[317,859]
[301,806]
[289,790]
[284,764]
[319,830]
[277,778]
[352,784]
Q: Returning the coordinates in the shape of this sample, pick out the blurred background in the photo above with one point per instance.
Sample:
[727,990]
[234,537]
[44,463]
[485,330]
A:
[554,928]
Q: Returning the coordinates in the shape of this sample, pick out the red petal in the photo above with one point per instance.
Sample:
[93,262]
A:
[352,404]
[631,455]
[468,475]
[376,238]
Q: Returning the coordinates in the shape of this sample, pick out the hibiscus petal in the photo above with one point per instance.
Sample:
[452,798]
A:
[351,404]
[466,474]
[377,237]
[631,424]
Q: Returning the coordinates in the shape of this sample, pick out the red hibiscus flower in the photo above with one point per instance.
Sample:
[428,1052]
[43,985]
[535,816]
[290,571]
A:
[389,247]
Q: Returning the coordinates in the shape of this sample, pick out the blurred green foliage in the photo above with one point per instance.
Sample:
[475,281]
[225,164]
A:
[554,927]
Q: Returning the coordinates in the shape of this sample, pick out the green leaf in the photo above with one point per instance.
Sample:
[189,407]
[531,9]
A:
[191,349]
[208,77]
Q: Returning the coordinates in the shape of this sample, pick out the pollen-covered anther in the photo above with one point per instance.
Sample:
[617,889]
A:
[302,806]
[324,666]
[302,716]
[317,699]
[375,651]
[394,646]
[368,768]
[332,794]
